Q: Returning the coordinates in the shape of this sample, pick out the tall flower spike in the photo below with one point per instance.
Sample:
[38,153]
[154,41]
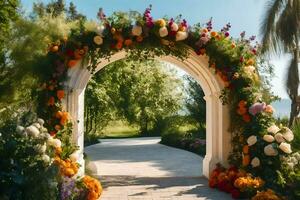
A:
[101,14]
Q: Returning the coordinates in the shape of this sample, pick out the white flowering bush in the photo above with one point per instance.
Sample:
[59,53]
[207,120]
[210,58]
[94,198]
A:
[26,170]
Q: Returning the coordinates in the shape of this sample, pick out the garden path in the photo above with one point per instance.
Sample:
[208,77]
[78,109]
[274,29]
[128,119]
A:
[141,168]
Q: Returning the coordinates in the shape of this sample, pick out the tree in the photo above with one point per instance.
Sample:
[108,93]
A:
[8,14]
[281,32]
[57,8]
[142,93]
[195,102]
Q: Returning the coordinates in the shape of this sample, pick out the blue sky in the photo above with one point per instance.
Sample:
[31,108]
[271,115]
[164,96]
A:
[244,15]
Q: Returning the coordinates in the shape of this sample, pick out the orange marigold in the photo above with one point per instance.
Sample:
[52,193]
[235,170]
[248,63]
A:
[94,187]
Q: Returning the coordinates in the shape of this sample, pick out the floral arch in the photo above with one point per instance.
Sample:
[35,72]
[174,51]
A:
[240,128]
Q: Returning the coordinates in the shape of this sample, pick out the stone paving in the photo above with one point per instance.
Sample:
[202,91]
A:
[141,168]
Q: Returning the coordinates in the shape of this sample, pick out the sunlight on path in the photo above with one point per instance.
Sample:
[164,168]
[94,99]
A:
[141,168]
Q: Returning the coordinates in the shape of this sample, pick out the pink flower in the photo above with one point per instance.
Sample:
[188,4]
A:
[257,108]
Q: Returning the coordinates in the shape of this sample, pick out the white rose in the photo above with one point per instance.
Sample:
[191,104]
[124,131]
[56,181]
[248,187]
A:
[288,134]
[297,156]
[279,137]
[40,148]
[46,158]
[20,129]
[54,142]
[40,121]
[285,147]
[99,30]
[32,131]
[273,129]
[45,136]
[181,35]
[37,125]
[75,156]
[268,138]
[174,27]
[137,30]
[163,31]
[255,162]
[98,40]
[270,151]
[252,140]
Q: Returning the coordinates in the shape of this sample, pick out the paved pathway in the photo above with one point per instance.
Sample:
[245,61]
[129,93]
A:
[141,168]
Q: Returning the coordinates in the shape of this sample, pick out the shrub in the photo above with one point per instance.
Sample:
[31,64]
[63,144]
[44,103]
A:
[296,141]
[25,169]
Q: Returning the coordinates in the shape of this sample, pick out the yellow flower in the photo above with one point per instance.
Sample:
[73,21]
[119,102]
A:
[161,22]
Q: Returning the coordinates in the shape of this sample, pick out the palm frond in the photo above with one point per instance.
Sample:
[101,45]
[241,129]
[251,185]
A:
[287,28]
[267,27]
[292,82]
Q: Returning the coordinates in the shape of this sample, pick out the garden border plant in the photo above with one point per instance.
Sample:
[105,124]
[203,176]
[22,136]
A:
[257,143]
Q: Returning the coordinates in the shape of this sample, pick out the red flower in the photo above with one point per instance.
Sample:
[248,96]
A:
[228,188]
[70,52]
[172,33]
[235,193]
[222,185]
[52,133]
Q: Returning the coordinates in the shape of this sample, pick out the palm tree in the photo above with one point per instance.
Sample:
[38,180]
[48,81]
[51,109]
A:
[280,29]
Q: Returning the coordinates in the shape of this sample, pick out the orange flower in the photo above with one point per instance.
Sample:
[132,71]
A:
[250,62]
[57,127]
[241,111]
[51,101]
[246,118]
[58,150]
[60,94]
[119,45]
[139,38]
[204,30]
[242,103]
[218,37]
[94,187]
[128,42]
[58,114]
[233,45]
[213,34]
[246,149]
[54,48]
[246,160]
[72,63]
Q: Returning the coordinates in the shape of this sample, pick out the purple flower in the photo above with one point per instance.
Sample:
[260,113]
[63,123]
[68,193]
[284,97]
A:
[257,108]
[242,34]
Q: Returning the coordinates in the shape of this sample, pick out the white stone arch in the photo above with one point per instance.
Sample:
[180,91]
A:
[218,139]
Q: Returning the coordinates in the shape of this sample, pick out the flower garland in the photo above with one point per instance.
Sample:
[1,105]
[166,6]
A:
[257,142]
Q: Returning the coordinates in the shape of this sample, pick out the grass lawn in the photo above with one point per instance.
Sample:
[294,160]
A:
[120,129]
